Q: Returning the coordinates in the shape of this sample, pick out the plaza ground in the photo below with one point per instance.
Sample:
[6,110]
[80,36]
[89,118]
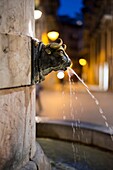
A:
[75,103]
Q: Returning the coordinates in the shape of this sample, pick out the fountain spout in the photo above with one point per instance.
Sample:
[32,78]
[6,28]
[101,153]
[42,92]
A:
[47,58]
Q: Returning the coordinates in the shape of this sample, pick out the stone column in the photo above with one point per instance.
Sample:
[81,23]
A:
[17,95]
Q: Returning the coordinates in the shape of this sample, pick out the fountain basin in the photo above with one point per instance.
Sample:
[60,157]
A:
[74,131]
[73,156]
[73,145]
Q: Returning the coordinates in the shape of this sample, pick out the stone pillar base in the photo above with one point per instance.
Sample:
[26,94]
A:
[38,162]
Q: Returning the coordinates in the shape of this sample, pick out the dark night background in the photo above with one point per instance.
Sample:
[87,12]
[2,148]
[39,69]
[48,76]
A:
[70,7]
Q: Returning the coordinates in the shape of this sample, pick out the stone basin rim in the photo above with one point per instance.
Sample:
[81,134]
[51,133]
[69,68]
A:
[85,132]
[79,124]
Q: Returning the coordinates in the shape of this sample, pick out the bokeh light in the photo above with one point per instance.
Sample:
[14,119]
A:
[82,62]
[60,75]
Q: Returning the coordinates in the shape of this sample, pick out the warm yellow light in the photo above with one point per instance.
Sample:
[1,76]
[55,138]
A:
[71,65]
[82,62]
[45,38]
[60,74]
[37,14]
[53,35]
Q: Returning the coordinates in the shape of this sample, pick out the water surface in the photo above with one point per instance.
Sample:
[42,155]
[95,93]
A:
[85,157]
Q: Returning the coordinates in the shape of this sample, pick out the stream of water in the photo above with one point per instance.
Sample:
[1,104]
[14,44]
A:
[74,147]
[70,72]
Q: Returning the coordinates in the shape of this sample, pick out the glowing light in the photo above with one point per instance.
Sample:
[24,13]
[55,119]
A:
[82,62]
[60,74]
[30,28]
[53,35]
[104,76]
[45,38]
[79,22]
[37,14]
[71,65]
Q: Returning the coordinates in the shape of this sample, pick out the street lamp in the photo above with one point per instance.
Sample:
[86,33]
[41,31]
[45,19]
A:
[53,35]
[37,14]
[82,62]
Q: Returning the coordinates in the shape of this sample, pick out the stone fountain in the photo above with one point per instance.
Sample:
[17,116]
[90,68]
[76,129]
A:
[23,63]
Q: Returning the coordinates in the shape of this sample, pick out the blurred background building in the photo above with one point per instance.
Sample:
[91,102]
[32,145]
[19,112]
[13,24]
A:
[89,36]
[98,38]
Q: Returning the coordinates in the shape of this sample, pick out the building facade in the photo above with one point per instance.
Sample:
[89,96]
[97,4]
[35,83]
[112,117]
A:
[98,34]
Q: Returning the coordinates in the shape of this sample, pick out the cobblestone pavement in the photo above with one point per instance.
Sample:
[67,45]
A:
[78,104]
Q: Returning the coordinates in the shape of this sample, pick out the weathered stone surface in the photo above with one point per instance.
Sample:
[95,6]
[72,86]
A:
[40,159]
[17,127]
[102,140]
[30,166]
[38,162]
[15,60]
[17,17]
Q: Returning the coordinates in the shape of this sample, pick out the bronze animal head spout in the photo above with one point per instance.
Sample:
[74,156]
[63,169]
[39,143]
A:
[51,57]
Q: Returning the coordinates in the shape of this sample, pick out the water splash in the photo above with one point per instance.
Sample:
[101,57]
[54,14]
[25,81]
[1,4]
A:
[71,93]
[70,73]
[63,111]
[74,147]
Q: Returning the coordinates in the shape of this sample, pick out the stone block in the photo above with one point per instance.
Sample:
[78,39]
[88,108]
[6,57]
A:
[17,17]
[17,127]
[15,61]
